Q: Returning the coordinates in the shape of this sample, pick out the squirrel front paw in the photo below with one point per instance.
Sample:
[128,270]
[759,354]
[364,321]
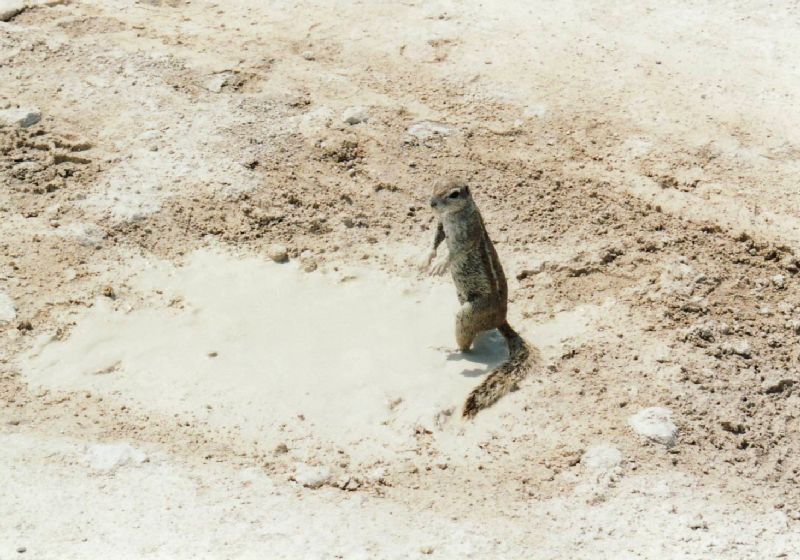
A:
[425,263]
[440,266]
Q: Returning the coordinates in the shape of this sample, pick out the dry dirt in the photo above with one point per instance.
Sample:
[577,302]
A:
[636,165]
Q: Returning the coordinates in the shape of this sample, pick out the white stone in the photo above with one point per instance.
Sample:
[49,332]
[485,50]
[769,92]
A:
[7,310]
[217,82]
[10,8]
[742,348]
[110,456]
[376,475]
[428,129]
[278,253]
[310,476]
[601,458]
[355,115]
[20,117]
[655,423]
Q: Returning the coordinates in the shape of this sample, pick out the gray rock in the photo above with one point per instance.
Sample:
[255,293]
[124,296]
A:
[655,423]
[20,117]
[355,115]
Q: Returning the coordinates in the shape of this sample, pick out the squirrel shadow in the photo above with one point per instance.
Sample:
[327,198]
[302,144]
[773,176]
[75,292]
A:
[489,350]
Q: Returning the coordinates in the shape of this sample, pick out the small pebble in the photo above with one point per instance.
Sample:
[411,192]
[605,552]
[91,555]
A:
[20,117]
[311,476]
[308,264]
[424,130]
[278,253]
[655,423]
[308,55]
[10,8]
[22,549]
[355,115]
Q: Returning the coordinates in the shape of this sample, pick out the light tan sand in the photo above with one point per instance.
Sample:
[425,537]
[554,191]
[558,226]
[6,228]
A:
[636,165]
[257,344]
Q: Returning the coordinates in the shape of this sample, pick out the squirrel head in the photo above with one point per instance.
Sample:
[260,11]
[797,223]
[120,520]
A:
[450,196]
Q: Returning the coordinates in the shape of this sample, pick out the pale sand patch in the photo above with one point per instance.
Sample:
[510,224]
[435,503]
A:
[256,344]
[358,359]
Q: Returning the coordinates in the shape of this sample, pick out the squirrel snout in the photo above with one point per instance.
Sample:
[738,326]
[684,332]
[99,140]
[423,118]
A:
[433,203]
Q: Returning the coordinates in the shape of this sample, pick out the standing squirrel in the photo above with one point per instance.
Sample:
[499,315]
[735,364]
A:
[481,287]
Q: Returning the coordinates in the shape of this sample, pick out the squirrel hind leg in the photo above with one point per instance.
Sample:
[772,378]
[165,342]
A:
[475,317]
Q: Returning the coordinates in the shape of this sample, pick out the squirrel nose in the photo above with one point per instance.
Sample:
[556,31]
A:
[433,203]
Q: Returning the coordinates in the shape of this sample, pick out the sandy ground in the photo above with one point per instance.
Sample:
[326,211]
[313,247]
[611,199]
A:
[168,391]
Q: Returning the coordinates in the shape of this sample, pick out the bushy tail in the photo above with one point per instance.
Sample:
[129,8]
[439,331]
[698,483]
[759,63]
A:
[505,377]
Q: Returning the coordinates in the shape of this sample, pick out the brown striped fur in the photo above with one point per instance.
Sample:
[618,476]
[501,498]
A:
[481,287]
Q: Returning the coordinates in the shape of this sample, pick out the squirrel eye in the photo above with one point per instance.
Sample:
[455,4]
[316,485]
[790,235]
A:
[453,194]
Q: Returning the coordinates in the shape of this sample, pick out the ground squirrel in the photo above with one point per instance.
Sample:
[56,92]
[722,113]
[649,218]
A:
[481,287]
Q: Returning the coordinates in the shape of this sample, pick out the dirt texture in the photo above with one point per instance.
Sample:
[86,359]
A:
[637,175]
